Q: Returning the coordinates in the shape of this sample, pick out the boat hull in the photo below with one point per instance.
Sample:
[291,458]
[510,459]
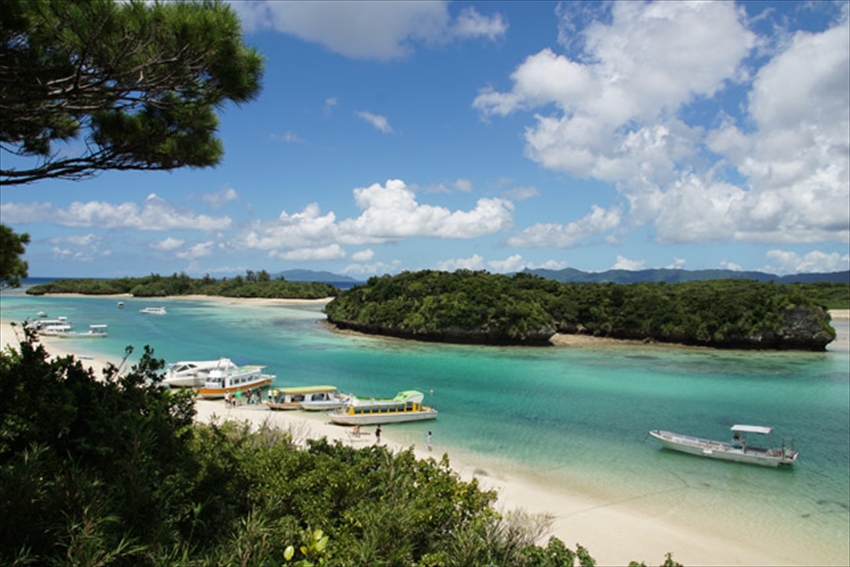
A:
[184,382]
[214,393]
[342,418]
[322,406]
[310,398]
[723,451]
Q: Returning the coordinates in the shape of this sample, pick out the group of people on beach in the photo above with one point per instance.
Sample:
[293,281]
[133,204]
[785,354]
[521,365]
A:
[254,396]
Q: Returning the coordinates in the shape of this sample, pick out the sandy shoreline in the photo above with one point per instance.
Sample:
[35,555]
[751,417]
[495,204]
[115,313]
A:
[613,532]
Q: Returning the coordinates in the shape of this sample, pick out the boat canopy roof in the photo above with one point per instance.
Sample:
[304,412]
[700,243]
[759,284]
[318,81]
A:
[752,429]
[307,389]
[400,398]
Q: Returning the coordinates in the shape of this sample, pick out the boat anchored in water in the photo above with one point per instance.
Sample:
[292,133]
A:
[153,311]
[232,379]
[737,450]
[406,406]
[309,398]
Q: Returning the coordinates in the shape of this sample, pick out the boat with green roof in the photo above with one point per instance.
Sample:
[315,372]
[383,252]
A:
[405,406]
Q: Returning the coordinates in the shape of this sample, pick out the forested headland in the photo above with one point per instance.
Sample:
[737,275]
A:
[252,285]
[479,307]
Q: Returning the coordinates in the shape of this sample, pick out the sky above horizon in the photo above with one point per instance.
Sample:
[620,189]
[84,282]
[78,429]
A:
[498,136]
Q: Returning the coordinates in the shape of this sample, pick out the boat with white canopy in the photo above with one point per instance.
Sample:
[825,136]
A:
[738,449]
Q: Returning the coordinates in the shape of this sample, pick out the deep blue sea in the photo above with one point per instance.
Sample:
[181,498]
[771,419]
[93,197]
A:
[564,417]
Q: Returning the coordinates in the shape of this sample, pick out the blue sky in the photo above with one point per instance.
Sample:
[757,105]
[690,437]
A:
[394,136]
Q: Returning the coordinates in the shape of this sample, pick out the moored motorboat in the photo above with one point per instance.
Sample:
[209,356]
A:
[738,450]
[68,332]
[153,311]
[41,324]
[94,332]
[193,373]
[230,380]
[406,406]
[310,398]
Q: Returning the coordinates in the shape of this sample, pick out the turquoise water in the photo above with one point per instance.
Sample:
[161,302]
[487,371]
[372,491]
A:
[567,418]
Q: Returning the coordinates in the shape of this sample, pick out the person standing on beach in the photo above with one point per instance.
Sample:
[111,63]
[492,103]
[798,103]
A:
[428,440]
[378,435]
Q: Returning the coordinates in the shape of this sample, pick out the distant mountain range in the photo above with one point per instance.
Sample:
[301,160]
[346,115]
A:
[314,276]
[571,275]
[613,276]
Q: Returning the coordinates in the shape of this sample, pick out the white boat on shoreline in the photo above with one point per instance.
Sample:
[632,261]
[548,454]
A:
[230,380]
[153,311]
[738,450]
[62,328]
[192,373]
[41,323]
[406,406]
[309,398]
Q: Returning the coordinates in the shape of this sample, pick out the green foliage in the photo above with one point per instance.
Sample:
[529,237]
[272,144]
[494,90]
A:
[12,266]
[139,81]
[830,295]
[255,285]
[480,307]
[463,306]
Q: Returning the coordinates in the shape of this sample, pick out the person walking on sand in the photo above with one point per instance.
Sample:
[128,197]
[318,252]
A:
[378,435]
[428,440]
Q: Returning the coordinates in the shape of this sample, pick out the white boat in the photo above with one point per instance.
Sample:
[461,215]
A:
[233,379]
[153,311]
[68,332]
[310,398]
[94,332]
[737,450]
[191,373]
[41,323]
[56,330]
[406,406]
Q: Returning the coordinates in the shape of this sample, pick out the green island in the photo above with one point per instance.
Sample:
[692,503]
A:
[252,285]
[479,307]
[115,472]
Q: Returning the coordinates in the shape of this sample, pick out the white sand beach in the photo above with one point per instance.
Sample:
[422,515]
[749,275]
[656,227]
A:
[614,532]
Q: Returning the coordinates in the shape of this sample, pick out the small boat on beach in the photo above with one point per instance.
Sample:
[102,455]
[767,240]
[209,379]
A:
[309,398]
[68,332]
[406,406]
[153,311]
[41,323]
[232,379]
[192,373]
[738,450]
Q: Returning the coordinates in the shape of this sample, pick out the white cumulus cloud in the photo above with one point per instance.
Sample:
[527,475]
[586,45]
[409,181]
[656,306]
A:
[785,262]
[544,235]
[376,120]
[773,169]
[154,214]
[370,30]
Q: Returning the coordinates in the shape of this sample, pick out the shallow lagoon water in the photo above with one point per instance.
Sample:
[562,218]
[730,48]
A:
[569,418]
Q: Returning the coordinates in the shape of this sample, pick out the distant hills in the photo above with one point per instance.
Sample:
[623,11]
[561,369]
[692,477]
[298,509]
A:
[570,275]
[314,276]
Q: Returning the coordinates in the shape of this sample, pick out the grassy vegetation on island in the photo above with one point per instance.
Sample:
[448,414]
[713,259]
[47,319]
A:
[114,471]
[467,306]
[253,284]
